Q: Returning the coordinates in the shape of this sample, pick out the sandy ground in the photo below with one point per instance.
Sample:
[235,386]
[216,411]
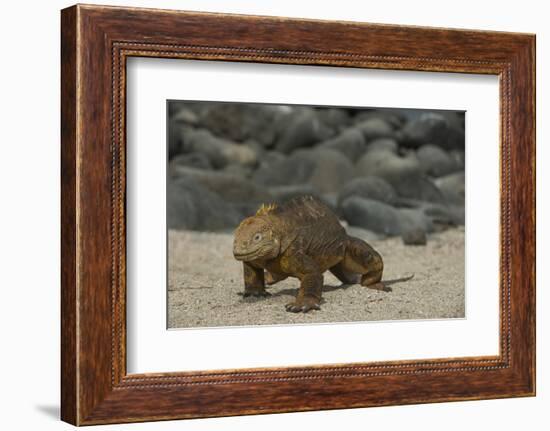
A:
[205,283]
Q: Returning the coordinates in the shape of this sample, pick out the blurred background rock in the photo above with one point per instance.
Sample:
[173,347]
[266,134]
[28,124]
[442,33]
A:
[390,172]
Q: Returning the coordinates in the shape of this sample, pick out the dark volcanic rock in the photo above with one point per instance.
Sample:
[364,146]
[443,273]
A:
[458,213]
[230,187]
[192,206]
[350,142]
[387,165]
[238,170]
[267,158]
[435,161]
[371,215]
[393,172]
[196,108]
[181,120]
[385,144]
[242,121]
[392,117]
[336,119]
[181,209]
[374,128]
[382,218]
[418,187]
[414,237]
[331,169]
[176,136]
[324,169]
[432,128]
[403,173]
[374,188]
[331,199]
[287,171]
[246,209]
[413,219]
[301,128]
[185,116]
[283,194]
[192,160]
[441,215]
[219,151]
[459,157]
[453,188]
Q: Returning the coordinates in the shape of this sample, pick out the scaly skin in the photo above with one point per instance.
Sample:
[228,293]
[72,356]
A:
[302,239]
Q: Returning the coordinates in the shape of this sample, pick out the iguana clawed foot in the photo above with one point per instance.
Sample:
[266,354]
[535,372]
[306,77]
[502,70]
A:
[256,293]
[303,305]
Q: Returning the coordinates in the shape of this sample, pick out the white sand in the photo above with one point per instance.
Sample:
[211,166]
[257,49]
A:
[204,282]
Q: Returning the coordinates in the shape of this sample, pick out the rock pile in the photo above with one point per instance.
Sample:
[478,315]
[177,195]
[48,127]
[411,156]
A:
[393,172]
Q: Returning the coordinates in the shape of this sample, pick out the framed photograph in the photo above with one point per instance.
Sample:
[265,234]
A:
[264,214]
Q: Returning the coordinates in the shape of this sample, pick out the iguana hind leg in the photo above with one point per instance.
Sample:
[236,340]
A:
[362,259]
[346,277]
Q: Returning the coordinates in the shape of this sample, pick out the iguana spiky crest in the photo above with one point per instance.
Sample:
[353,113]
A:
[266,209]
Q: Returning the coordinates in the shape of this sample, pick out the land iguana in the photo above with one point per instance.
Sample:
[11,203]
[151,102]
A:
[302,238]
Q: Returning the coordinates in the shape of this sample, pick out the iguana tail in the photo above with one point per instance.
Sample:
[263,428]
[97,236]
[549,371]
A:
[397,280]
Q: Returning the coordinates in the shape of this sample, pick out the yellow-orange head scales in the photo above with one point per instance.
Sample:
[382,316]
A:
[255,238]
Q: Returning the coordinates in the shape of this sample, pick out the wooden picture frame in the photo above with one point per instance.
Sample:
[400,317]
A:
[95,43]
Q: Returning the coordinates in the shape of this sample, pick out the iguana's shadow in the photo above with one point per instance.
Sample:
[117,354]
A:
[289,291]
[331,288]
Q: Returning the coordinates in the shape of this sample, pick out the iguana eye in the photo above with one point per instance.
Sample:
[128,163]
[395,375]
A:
[257,237]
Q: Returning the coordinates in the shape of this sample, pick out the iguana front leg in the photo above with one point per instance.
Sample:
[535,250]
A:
[311,282]
[254,281]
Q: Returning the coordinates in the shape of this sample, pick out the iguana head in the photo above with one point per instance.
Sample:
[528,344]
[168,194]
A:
[254,239]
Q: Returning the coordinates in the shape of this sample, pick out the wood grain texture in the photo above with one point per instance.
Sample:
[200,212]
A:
[96,41]
[69,367]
